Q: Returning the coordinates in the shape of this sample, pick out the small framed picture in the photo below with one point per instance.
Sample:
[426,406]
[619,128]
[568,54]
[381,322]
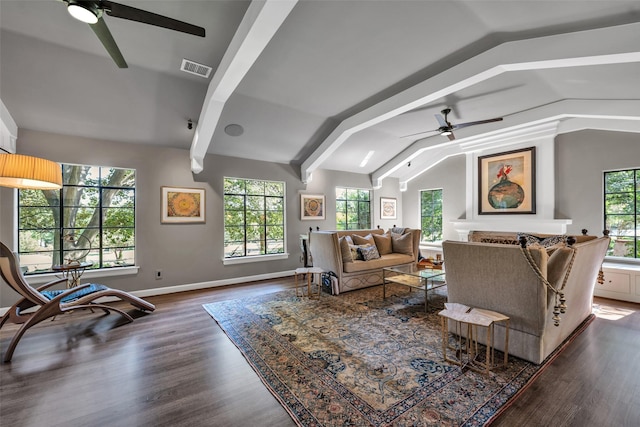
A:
[183,205]
[388,208]
[507,182]
[312,206]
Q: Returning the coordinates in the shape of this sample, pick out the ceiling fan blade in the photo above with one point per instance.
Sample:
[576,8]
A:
[103,33]
[419,133]
[441,121]
[480,122]
[133,14]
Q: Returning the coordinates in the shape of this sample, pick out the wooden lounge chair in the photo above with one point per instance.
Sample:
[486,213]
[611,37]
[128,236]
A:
[49,303]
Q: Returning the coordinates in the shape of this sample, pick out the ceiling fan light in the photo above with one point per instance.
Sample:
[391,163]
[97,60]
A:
[82,12]
[446,133]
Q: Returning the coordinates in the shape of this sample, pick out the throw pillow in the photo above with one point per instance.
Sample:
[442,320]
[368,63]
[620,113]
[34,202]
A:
[355,254]
[545,242]
[402,243]
[368,252]
[366,240]
[383,243]
[345,250]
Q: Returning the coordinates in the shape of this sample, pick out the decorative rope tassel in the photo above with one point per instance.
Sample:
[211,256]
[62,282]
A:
[563,306]
[556,315]
[601,277]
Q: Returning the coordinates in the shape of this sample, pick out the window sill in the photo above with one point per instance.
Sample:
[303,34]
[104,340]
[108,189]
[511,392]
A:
[88,274]
[255,258]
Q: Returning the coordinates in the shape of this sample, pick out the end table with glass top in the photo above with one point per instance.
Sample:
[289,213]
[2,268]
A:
[409,275]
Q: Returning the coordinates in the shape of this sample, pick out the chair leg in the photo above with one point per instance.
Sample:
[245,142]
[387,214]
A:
[14,341]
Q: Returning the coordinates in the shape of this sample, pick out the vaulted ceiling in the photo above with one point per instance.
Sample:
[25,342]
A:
[320,84]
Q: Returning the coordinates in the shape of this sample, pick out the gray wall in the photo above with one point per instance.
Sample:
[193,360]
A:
[186,253]
[581,157]
[449,175]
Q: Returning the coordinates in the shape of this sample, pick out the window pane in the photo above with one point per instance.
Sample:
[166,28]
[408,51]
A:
[36,240]
[234,186]
[234,249]
[621,181]
[274,189]
[115,177]
[38,262]
[80,217]
[118,198]
[275,217]
[37,218]
[255,187]
[619,203]
[118,237]
[38,198]
[234,202]
[255,217]
[255,202]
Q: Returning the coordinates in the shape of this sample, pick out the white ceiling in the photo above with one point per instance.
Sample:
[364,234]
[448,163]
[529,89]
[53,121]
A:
[321,83]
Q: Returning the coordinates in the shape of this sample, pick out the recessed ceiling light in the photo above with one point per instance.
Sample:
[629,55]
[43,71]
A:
[234,130]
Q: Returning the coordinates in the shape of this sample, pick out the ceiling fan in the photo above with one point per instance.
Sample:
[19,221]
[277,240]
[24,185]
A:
[92,11]
[446,128]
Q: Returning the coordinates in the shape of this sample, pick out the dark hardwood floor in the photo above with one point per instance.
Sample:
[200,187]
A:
[176,367]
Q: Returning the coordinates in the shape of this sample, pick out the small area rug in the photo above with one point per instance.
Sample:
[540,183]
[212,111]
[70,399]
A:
[358,360]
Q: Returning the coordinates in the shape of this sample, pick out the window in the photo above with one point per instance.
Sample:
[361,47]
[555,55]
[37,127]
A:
[431,215]
[622,212]
[92,218]
[353,209]
[253,217]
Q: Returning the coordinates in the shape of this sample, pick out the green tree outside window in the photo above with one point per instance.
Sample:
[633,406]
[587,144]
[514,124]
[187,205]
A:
[353,209]
[622,212]
[431,215]
[253,217]
[96,205]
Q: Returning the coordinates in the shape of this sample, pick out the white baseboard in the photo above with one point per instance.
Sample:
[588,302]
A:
[191,286]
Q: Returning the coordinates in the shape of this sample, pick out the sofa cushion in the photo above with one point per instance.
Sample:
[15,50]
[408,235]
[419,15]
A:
[368,252]
[383,243]
[402,243]
[345,251]
[384,261]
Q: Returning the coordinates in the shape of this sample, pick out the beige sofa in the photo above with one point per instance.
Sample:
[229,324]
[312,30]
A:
[498,277]
[396,249]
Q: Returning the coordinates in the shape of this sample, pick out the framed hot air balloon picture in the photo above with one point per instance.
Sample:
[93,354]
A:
[507,182]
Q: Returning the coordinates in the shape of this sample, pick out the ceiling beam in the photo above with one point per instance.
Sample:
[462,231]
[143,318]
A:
[260,23]
[594,47]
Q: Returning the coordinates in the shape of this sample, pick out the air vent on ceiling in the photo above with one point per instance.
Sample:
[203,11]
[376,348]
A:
[195,68]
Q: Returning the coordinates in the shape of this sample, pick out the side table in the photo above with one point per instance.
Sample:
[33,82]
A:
[467,320]
[309,273]
[72,272]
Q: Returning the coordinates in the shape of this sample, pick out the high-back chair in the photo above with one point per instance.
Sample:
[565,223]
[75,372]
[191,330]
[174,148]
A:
[50,303]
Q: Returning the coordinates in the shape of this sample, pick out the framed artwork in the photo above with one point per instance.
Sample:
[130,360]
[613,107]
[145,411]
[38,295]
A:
[312,206]
[388,208]
[506,182]
[183,205]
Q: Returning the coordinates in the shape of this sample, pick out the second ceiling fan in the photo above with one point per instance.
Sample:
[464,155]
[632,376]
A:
[446,128]
[91,12]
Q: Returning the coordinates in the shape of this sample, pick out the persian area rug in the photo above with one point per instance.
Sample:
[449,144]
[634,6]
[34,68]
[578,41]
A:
[358,360]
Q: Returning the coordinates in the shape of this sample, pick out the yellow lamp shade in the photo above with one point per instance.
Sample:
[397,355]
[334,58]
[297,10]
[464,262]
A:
[27,172]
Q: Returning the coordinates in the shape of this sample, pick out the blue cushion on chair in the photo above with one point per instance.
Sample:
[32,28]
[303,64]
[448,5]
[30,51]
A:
[76,295]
